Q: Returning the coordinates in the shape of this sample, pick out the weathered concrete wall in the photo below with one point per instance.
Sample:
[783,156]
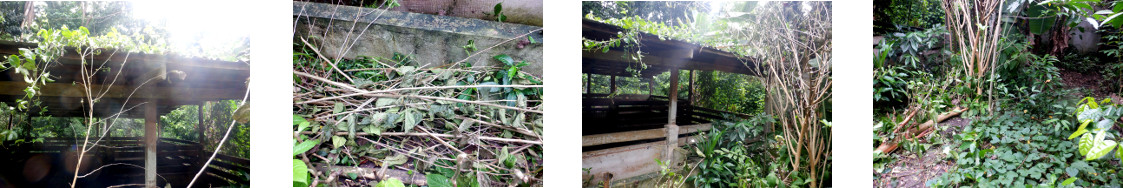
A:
[1084,42]
[517,11]
[432,40]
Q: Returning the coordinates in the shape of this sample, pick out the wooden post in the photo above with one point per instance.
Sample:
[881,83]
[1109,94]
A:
[612,85]
[690,90]
[588,83]
[151,137]
[199,127]
[689,109]
[672,128]
[651,86]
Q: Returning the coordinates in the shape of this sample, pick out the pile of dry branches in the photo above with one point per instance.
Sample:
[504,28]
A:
[400,121]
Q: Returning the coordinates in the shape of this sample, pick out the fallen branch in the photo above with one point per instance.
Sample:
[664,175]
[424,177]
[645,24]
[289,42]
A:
[345,133]
[923,129]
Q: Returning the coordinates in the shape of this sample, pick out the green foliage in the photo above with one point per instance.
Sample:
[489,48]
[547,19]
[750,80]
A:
[399,115]
[392,182]
[900,14]
[498,12]
[889,85]
[737,154]
[1102,117]
[299,173]
[911,49]
[1043,15]
[1112,71]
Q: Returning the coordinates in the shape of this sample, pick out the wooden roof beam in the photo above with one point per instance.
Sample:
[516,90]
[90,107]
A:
[121,91]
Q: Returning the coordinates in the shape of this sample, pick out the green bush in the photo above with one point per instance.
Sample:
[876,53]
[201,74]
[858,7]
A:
[738,154]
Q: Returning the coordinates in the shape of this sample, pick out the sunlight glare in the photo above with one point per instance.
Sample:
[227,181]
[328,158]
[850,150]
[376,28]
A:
[190,24]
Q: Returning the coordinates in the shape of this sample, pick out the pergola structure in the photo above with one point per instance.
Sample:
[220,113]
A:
[132,85]
[623,134]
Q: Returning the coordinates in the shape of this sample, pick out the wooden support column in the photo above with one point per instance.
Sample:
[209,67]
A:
[651,86]
[151,137]
[672,113]
[690,89]
[199,126]
[588,83]
[612,85]
[689,98]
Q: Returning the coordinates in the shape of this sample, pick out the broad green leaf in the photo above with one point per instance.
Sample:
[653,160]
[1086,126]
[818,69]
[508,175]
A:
[497,9]
[410,120]
[242,114]
[1078,132]
[437,180]
[467,123]
[372,129]
[381,102]
[1105,124]
[1086,143]
[1119,152]
[406,69]
[505,59]
[395,160]
[1069,181]
[1100,149]
[299,173]
[1043,23]
[392,182]
[338,141]
[304,147]
[503,153]
[300,122]
[338,108]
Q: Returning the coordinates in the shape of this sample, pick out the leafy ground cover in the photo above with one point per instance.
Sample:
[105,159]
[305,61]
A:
[1030,124]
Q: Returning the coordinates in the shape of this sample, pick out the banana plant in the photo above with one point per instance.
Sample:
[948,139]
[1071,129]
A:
[1093,142]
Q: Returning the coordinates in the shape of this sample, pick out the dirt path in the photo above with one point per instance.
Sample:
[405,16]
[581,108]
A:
[911,170]
[914,171]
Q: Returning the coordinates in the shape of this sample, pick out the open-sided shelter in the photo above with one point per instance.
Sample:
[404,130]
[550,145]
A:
[624,134]
[133,85]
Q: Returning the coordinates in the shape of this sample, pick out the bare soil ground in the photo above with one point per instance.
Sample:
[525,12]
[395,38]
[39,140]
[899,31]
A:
[914,171]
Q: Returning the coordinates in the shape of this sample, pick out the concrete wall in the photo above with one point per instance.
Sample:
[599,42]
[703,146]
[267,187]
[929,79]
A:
[432,40]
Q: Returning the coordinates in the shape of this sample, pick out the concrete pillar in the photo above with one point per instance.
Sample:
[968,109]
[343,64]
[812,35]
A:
[151,137]
[672,113]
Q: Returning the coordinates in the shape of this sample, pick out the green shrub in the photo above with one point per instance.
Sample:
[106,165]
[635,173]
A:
[737,154]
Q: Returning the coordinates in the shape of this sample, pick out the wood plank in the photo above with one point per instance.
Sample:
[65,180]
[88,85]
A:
[242,161]
[609,138]
[123,91]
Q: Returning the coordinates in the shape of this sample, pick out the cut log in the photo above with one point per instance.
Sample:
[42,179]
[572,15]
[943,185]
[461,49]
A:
[925,128]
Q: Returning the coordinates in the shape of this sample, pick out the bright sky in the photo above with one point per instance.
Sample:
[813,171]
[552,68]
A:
[204,23]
